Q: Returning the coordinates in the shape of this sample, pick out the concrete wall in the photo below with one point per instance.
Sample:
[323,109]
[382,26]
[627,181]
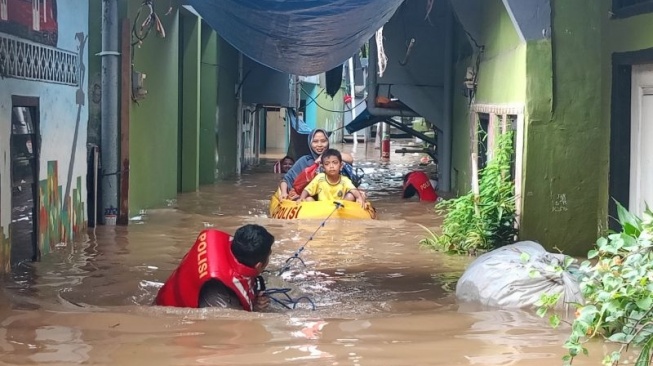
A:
[461,180]
[227,110]
[189,95]
[63,118]
[322,111]
[501,80]
[209,72]
[565,167]
[154,125]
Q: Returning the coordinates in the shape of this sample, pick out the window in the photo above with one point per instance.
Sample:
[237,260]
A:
[627,8]
[483,132]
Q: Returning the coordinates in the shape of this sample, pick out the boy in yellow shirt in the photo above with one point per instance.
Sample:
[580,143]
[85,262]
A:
[331,185]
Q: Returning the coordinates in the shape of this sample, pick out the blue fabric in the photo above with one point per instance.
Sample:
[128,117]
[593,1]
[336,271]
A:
[363,120]
[297,123]
[299,166]
[302,37]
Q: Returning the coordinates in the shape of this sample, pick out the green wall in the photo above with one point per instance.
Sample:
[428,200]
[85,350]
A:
[559,81]
[190,48]
[564,167]
[460,155]
[502,73]
[154,131]
[227,109]
[501,80]
[326,117]
[208,105]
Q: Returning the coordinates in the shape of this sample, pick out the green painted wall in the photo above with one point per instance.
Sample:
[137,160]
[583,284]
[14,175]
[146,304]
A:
[502,74]
[460,157]
[227,109]
[501,80]
[330,116]
[564,167]
[154,120]
[208,105]
[190,101]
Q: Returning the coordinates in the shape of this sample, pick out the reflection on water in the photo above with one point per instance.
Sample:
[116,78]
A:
[381,299]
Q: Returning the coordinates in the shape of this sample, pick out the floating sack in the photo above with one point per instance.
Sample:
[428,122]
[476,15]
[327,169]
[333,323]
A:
[505,277]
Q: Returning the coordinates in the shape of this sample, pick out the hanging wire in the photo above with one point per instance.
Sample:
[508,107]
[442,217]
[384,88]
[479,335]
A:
[327,109]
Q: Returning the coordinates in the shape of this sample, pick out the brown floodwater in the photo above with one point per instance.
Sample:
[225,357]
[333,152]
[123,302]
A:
[380,299]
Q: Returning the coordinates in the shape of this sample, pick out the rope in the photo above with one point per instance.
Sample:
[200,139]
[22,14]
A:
[287,301]
[295,256]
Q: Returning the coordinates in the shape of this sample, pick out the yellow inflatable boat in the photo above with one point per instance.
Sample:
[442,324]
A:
[292,210]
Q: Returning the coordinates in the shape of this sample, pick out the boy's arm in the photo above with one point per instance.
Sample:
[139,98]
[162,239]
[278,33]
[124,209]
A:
[357,194]
[310,188]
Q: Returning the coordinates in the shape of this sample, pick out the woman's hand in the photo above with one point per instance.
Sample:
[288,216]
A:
[283,195]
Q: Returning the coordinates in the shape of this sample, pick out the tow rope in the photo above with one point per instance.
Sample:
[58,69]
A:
[299,251]
[287,301]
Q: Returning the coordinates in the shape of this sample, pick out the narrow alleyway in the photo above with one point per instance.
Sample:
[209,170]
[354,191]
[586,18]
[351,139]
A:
[380,298]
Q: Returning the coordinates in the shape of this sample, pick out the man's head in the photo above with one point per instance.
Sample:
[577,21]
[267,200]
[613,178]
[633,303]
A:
[252,246]
[332,162]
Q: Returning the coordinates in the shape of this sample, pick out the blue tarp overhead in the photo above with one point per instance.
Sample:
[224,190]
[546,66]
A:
[302,37]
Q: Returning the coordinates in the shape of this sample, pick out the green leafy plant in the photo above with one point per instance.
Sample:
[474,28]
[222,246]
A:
[617,284]
[484,221]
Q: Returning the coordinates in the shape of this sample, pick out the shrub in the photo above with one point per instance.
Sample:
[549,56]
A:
[483,221]
[617,285]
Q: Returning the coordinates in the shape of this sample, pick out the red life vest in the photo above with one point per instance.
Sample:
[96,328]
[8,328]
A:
[210,258]
[305,177]
[418,182]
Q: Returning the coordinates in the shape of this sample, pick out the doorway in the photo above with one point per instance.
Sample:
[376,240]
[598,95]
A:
[24,153]
[483,139]
[641,135]
[276,129]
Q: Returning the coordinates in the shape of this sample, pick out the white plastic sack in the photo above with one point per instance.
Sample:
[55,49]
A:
[505,277]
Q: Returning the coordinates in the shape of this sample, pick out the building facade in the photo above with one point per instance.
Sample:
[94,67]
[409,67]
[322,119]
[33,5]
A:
[43,120]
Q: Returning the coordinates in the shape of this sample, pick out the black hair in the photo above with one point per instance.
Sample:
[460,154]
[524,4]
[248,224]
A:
[331,152]
[287,157]
[252,244]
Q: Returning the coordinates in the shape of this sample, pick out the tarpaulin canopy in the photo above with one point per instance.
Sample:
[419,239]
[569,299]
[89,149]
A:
[302,37]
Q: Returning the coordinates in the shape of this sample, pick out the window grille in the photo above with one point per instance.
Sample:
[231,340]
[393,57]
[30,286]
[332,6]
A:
[24,59]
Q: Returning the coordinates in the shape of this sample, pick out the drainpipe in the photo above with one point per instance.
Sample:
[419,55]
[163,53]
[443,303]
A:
[239,117]
[352,91]
[109,108]
[445,138]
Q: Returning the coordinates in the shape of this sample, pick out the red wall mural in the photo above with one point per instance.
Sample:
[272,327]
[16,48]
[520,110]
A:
[35,20]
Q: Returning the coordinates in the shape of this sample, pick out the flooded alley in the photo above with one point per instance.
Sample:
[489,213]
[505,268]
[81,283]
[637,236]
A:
[379,298]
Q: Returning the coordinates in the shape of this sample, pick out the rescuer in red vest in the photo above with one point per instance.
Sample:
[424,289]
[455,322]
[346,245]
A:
[221,271]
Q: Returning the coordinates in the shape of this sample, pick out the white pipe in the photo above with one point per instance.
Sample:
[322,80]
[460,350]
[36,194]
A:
[239,118]
[352,91]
